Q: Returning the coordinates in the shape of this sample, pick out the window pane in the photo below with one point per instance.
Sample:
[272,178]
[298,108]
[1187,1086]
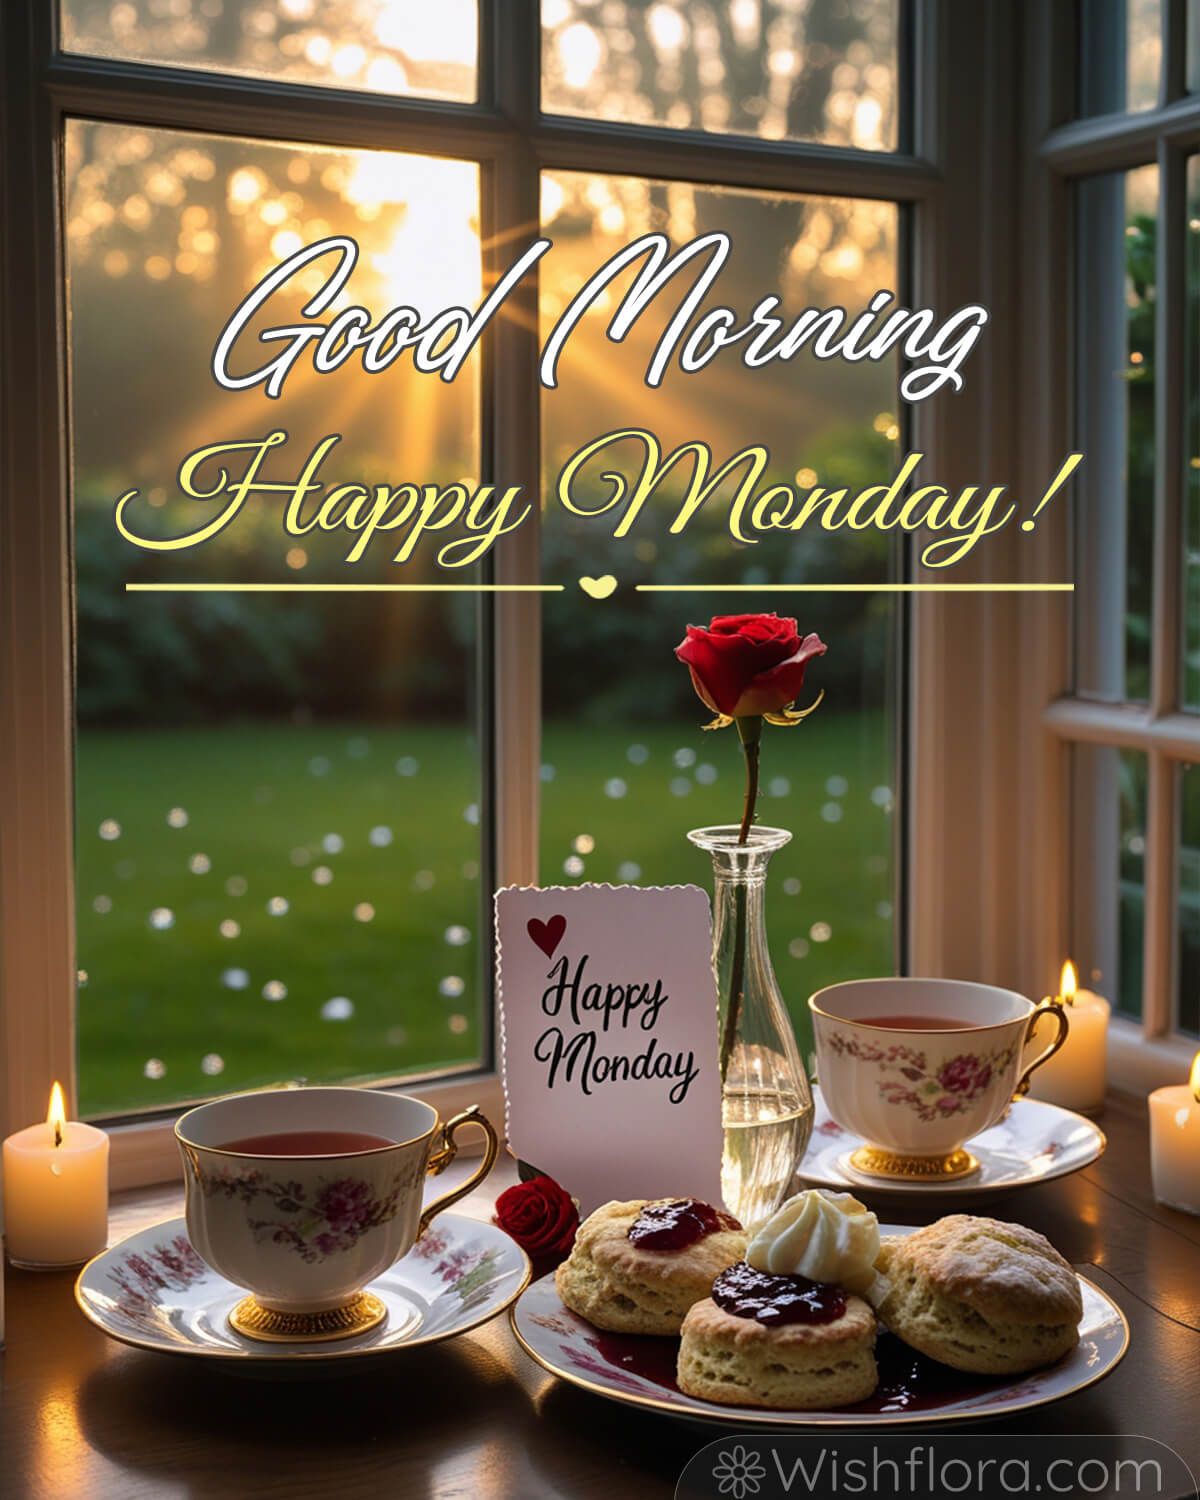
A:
[628,769]
[1188,1016]
[1191,548]
[277,850]
[1117,225]
[384,46]
[1109,850]
[1120,56]
[799,70]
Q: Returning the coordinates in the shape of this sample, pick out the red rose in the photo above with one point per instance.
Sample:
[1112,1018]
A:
[748,664]
[539,1215]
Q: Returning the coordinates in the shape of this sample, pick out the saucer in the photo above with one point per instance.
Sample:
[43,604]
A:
[640,1371]
[153,1291]
[1035,1142]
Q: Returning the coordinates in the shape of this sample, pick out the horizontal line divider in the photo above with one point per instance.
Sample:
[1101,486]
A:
[855,588]
[344,588]
[558,588]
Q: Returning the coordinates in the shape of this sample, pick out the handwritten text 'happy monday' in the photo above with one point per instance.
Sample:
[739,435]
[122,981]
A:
[476,519]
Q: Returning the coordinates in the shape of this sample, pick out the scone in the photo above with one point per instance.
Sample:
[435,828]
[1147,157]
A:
[980,1295]
[738,1360]
[624,1286]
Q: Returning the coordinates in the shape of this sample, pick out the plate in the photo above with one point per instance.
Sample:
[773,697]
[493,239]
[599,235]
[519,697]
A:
[1035,1142]
[153,1291]
[640,1371]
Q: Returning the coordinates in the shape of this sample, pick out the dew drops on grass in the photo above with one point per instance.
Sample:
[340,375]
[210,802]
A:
[212,1063]
[162,918]
[380,837]
[322,875]
[110,829]
[277,906]
[451,987]
[820,932]
[615,788]
[457,935]
[333,843]
[229,928]
[154,1069]
[236,886]
[177,818]
[337,1009]
[235,979]
[629,870]
[364,912]
[274,989]
[199,864]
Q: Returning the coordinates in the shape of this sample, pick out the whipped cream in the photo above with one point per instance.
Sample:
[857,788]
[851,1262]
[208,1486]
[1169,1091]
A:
[824,1236]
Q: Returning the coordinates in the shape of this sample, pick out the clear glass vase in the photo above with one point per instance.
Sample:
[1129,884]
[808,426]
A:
[766,1103]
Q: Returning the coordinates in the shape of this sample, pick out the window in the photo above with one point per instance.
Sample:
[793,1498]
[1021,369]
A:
[287,822]
[1130,720]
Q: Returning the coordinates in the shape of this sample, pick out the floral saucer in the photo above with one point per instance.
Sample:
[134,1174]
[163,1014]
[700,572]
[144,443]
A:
[1033,1143]
[640,1371]
[153,1291]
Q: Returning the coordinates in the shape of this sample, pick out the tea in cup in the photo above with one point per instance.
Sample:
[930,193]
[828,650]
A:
[916,1067]
[303,1196]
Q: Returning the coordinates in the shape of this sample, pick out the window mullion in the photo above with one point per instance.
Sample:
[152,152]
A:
[1162,815]
[512,401]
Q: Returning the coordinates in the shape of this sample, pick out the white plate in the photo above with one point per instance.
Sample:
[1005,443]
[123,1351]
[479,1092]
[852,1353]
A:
[1033,1143]
[640,1371]
[154,1291]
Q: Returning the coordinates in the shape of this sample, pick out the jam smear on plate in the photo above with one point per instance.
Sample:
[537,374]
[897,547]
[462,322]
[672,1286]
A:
[775,1300]
[908,1381]
[675,1225]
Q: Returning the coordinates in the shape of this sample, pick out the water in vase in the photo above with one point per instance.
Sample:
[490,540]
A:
[765,1139]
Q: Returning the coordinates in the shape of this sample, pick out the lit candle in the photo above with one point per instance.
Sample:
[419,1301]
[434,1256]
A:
[1075,1077]
[1175,1143]
[56,1191]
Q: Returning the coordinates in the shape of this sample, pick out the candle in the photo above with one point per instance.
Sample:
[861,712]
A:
[1175,1143]
[56,1191]
[1075,1077]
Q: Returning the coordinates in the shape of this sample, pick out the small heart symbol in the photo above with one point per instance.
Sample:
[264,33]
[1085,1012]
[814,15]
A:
[547,935]
[598,588]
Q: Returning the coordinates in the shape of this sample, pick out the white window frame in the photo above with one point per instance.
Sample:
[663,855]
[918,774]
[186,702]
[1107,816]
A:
[983,894]
[1067,149]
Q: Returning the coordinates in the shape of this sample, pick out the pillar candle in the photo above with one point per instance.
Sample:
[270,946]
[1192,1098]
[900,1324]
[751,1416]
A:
[1076,1076]
[1175,1143]
[56,1191]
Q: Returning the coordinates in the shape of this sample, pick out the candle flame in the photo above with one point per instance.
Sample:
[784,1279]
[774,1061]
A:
[1067,984]
[56,1115]
[1195,1078]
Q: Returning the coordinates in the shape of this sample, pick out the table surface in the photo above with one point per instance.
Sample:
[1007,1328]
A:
[84,1418]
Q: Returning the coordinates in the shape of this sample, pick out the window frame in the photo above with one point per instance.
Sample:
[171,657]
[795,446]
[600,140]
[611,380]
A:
[1146,1054]
[505,132]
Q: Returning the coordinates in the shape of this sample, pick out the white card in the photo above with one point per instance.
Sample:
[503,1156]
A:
[608,1013]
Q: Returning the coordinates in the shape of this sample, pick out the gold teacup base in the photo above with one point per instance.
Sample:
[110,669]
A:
[362,1312]
[873,1161]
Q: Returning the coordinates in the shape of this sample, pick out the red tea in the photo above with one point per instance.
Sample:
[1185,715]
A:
[307,1143]
[914,1023]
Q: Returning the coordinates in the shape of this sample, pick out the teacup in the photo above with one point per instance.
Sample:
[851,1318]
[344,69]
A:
[943,1067]
[305,1233]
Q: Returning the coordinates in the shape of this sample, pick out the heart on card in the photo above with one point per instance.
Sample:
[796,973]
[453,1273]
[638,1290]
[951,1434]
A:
[598,588]
[547,935]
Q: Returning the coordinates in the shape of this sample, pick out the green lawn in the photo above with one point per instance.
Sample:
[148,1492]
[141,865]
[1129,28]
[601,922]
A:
[185,1002]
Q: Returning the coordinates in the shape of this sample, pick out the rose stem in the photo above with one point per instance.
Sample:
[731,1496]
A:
[750,733]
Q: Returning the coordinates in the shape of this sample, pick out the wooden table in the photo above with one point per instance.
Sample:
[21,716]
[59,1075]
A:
[83,1418]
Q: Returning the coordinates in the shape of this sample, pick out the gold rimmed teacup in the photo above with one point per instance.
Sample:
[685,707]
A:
[304,1235]
[917,1067]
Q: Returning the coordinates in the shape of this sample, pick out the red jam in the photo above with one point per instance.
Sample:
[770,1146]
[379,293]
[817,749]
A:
[673,1226]
[774,1300]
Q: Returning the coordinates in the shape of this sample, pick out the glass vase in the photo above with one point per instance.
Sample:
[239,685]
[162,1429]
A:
[766,1103]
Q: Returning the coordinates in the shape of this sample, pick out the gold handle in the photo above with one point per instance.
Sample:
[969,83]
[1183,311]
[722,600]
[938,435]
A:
[1046,1008]
[447,1151]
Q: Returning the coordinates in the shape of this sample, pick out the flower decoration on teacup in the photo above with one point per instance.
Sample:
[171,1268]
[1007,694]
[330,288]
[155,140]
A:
[932,1091]
[539,1214]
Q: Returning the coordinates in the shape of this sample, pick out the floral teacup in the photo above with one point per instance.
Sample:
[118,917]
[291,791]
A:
[305,1233]
[943,1067]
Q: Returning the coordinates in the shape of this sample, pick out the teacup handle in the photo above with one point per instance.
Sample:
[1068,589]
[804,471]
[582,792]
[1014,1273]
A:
[445,1153]
[1046,1008]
